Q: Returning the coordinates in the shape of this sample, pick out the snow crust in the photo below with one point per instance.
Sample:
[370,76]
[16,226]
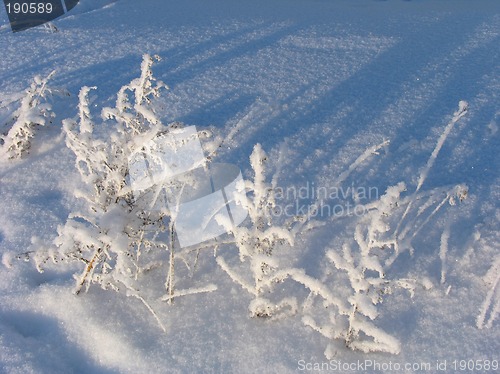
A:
[398,96]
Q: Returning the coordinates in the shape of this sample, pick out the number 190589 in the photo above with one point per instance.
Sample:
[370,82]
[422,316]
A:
[29,8]
[474,365]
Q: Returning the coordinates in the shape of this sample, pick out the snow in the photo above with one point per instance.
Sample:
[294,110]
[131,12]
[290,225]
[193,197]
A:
[398,96]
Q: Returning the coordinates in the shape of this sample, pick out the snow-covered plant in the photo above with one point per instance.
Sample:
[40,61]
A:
[381,235]
[362,263]
[33,112]
[117,235]
[257,241]
[362,274]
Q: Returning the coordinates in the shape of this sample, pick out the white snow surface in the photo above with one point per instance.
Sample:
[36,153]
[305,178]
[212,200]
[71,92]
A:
[316,83]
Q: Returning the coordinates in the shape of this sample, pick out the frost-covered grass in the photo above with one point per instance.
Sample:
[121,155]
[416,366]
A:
[341,97]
